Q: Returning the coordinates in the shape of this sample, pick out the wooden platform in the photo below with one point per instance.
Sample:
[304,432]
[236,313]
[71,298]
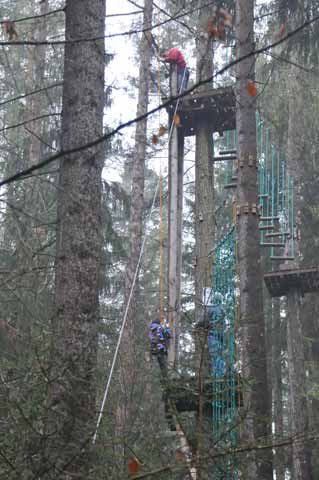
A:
[279,283]
[185,396]
[215,108]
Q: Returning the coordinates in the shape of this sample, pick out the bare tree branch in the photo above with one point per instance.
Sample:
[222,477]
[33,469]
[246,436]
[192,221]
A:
[25,122]
[94,39]
[24,95]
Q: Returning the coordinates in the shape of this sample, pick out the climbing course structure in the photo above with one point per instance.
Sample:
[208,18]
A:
[278,227]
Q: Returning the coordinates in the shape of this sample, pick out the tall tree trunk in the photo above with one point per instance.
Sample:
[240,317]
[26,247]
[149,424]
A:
[204,227]
[75,325]
[296,370]
[276,340]
[204,173]
[36,70]
[310,312]
[32,234]
[251,323]
[295,337]
[130,337]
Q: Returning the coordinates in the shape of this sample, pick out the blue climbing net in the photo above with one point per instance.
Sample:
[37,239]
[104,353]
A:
[222,349]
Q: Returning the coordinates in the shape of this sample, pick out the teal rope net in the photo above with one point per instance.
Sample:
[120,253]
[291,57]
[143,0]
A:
[222,349]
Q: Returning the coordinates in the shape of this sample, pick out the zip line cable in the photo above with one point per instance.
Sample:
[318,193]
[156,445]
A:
[106,391]
[161,230]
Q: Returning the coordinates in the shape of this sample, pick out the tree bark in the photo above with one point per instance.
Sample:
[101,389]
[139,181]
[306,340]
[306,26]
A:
[75,325]
[32,235]
[277,406]
[251,328]
[296,371]
[295,337]
[204,230]
[310,312]
[36,60]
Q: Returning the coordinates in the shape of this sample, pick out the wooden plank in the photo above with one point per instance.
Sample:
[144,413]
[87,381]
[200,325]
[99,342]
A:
[228,152]
[266,227]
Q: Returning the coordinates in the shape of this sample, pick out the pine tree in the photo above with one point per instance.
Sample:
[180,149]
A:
[130,335]
[71,405]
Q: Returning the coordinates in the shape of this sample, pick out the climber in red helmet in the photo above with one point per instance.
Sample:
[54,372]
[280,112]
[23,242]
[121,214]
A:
[175,56]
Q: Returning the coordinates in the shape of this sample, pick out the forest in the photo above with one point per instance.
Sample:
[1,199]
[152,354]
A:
[159,240]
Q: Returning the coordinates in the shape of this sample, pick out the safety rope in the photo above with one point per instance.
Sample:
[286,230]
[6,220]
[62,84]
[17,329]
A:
[106,391]
[161,238]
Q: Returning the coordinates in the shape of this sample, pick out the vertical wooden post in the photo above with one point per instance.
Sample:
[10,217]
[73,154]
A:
[175,213]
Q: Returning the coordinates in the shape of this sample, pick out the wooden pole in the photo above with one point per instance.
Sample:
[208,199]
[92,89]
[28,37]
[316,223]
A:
[175,212]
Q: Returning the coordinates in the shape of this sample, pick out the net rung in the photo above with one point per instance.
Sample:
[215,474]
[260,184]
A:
[281,258]
[266,227]
[277,234]
[264,219]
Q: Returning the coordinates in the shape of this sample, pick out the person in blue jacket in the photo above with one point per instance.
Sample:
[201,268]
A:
[216,332]
[159,336]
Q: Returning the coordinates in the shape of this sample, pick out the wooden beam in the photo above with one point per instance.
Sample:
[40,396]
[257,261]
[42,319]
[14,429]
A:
[175,188]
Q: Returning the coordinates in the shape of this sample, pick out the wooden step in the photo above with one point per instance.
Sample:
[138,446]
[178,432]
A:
[277,234]
[272,244]
[266,227]
[227,152]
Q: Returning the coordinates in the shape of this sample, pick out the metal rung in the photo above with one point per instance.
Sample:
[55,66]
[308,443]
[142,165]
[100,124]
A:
[272,244]
[263,195]
[223,158]
[234,178]
[230,185]
[227,152]
[281,258]
[268,218]
[266,227]
[277,234]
